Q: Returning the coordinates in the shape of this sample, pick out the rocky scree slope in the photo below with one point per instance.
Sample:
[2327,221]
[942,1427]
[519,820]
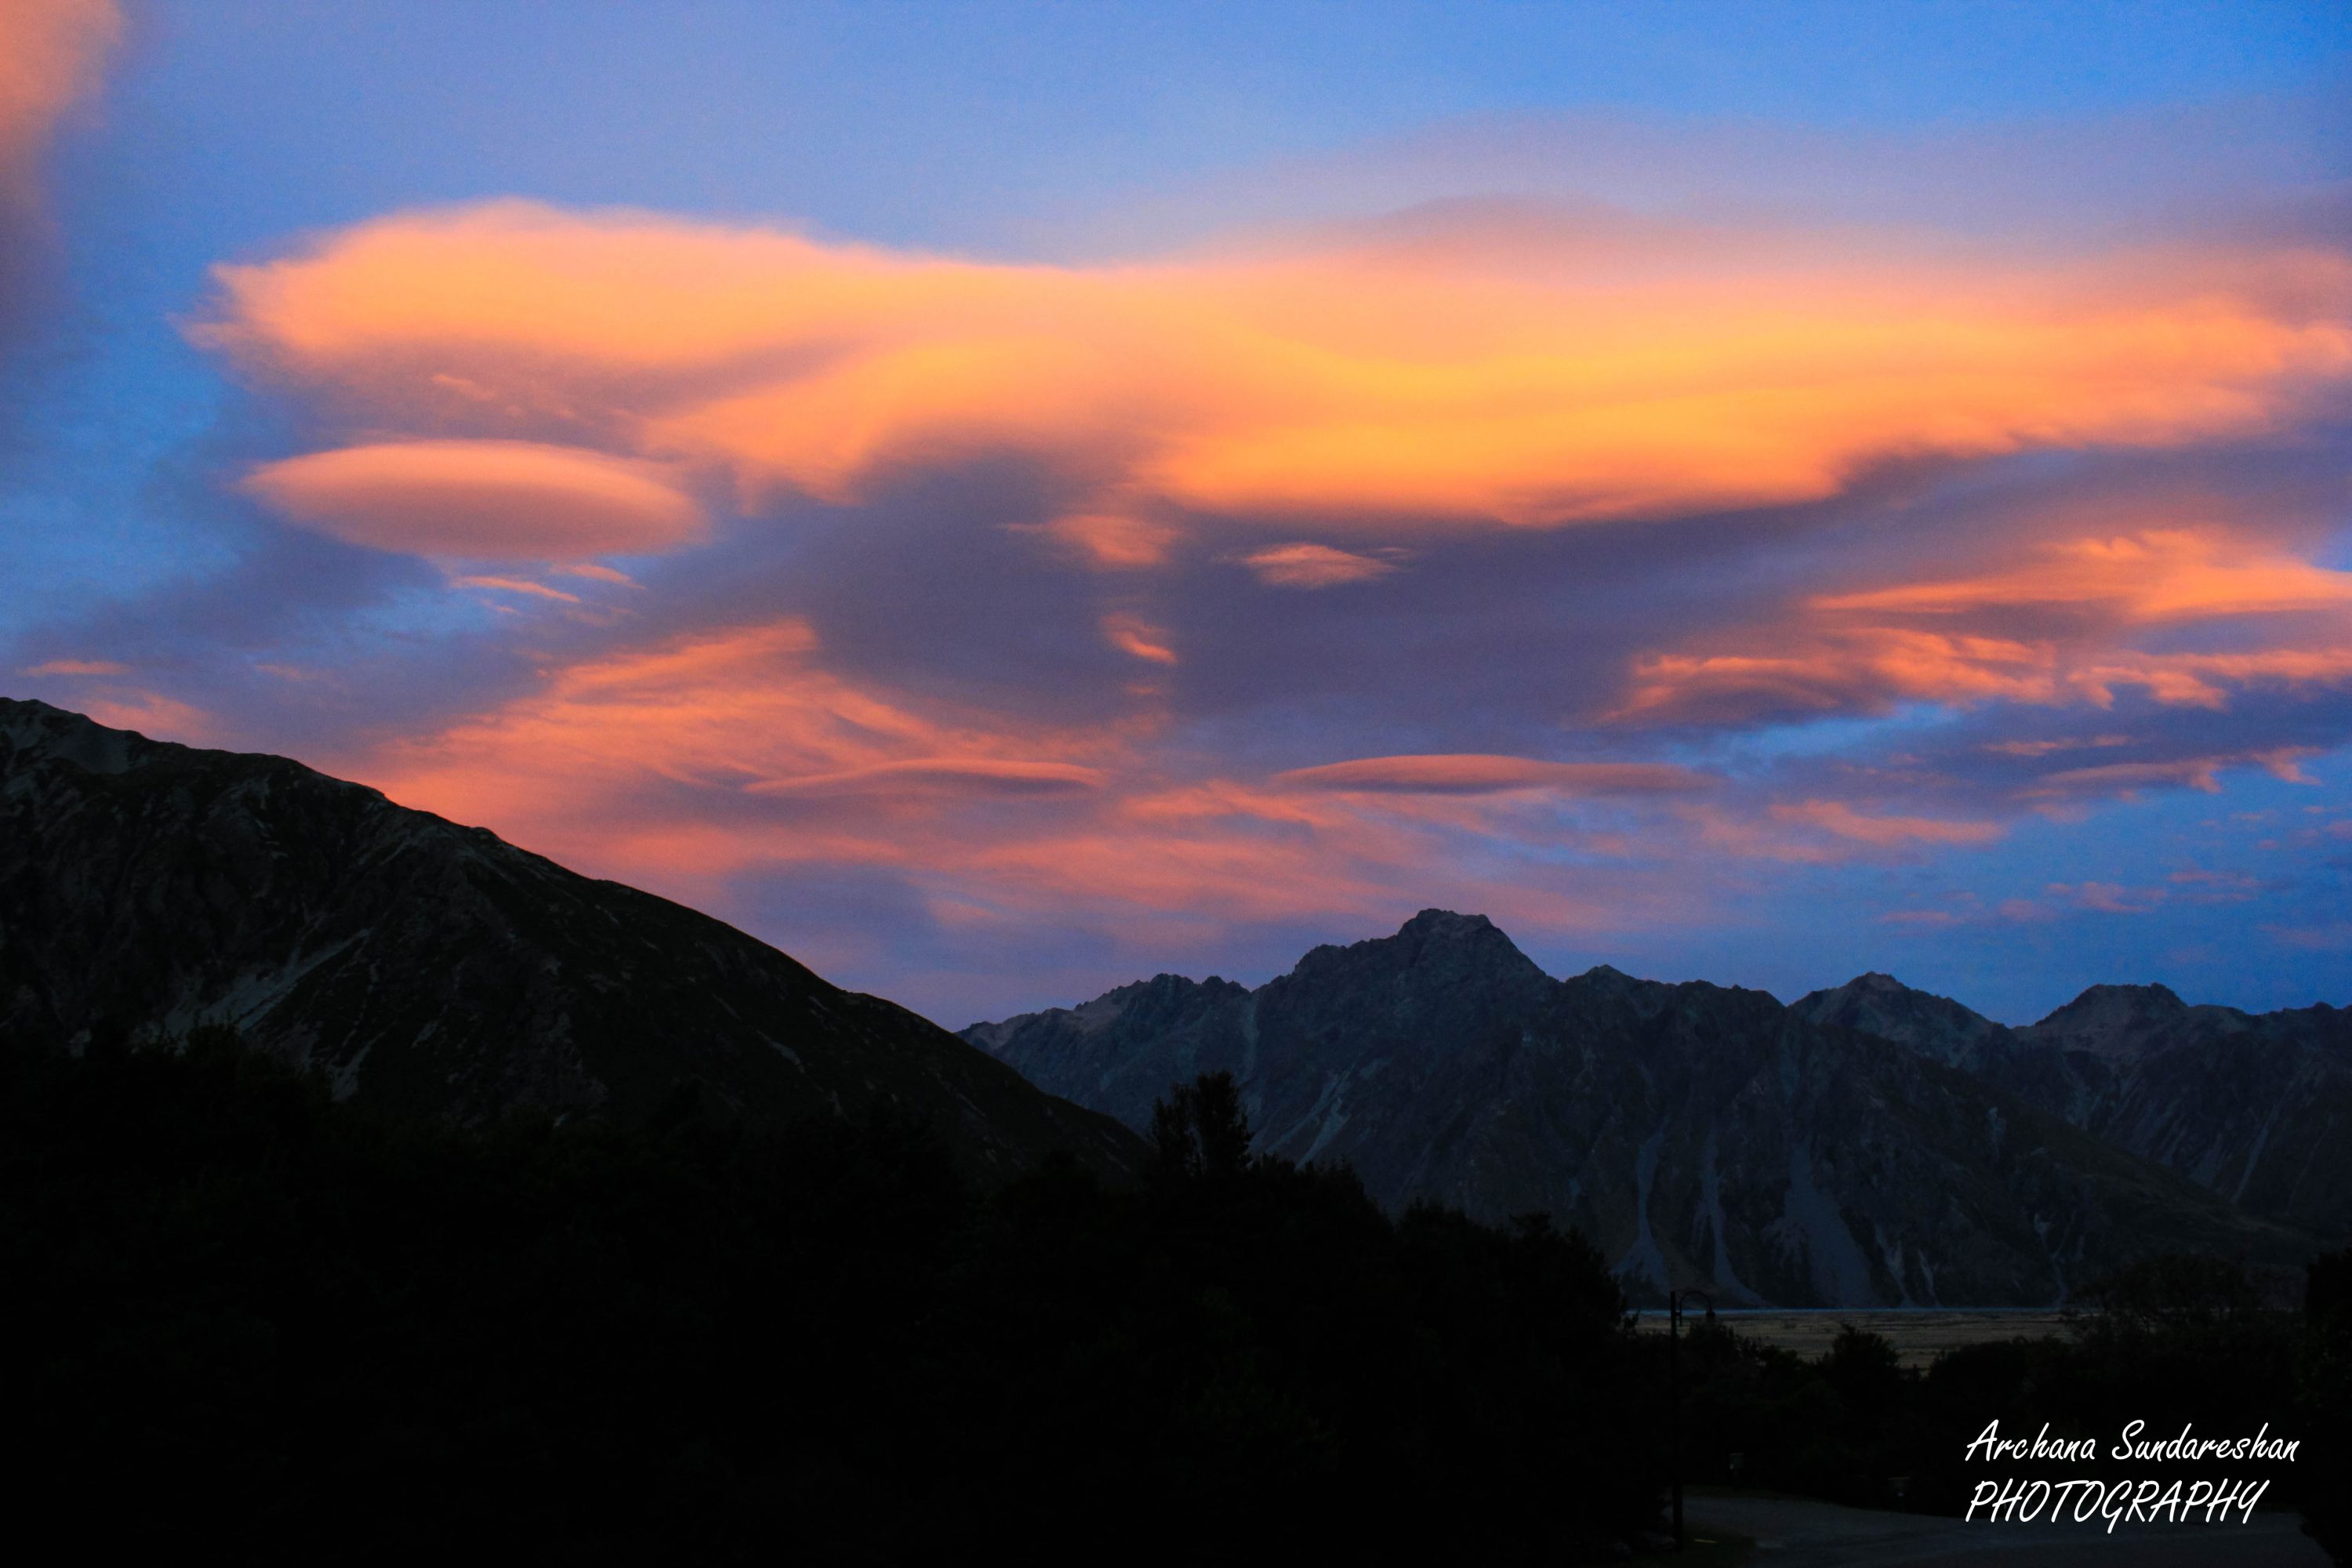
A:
[1703,1136]
[434,969]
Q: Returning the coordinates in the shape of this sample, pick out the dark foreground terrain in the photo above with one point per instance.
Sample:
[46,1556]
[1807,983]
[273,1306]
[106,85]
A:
[243,1316]
[251,1323]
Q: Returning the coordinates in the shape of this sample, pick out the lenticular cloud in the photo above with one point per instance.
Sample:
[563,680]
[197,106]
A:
[1529,375]
[481,499]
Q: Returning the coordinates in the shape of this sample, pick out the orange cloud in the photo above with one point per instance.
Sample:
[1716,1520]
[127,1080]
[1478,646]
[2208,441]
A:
[50,51]
[712,752]
[1482,774]
[2165,574]
[1845,656]
[481,499]
[1383,379]
[1109,541]
[1132,635]
[1857,669]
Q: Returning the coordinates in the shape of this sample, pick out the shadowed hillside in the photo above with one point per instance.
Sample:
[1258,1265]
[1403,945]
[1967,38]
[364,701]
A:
[434,969]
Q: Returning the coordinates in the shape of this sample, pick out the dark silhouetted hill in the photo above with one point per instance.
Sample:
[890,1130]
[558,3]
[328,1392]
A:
[427,968]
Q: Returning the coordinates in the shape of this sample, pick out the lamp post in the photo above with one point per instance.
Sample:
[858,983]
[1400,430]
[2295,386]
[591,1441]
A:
[1674,1299]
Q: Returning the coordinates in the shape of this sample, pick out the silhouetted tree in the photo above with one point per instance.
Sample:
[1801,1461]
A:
[1201,1129]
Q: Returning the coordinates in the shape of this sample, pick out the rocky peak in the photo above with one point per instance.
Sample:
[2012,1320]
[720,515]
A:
[2110,1020]
[35,731]
[1160,1001]
[1880,1005]
[1436,947]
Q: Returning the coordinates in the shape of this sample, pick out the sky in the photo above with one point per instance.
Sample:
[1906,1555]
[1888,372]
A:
[1005,500]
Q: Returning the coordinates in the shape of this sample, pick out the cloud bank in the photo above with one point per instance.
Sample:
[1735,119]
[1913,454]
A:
[1464,366]
[1621,574]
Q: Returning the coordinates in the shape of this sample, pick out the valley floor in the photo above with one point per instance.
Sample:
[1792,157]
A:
[1919,1334]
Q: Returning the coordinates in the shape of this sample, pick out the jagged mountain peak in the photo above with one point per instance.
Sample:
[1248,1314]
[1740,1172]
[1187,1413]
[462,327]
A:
[1698,1133]
[1432,945]
[1162,999]
[1877,1003]
[1434,924]
[2110,1020]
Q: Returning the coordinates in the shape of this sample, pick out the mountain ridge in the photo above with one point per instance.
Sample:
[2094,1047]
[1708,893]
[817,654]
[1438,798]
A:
[2253,1106]
[424,967]
[1702,1134]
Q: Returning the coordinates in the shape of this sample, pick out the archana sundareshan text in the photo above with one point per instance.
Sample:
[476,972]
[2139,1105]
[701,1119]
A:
[2090,1500]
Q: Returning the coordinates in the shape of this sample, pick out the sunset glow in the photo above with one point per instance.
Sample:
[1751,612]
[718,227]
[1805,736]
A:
[1768,539]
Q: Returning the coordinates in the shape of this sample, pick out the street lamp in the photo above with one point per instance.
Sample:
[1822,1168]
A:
[1674,1299]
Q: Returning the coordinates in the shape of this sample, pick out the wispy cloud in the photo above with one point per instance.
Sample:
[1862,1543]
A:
[1479,774]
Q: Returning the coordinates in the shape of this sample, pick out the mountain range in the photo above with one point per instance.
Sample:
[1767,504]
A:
[1872,1145]
[2254,1107]
[427,969]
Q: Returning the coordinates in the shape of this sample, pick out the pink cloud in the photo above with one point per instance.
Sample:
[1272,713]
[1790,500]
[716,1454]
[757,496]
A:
[515,586]
[1313,566]
[1109,541]
[1837,817]
[1132,635]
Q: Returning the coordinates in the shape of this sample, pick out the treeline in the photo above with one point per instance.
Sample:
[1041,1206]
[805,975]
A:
[243,1322]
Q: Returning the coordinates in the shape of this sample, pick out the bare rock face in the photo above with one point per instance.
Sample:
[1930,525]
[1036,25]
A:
[2254,1107]
[1703,1136]
[434,970]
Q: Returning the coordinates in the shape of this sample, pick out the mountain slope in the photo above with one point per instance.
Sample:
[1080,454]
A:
[2255,1107]
[432,969]
[1700,1135]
